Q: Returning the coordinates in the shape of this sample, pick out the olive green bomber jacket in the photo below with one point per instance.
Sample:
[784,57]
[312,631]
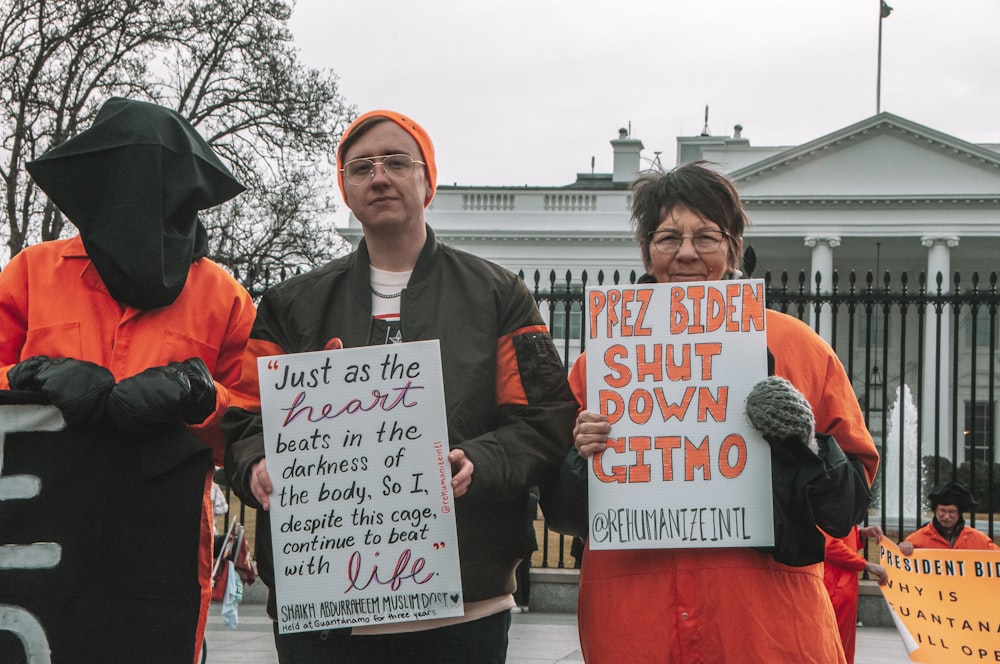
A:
[508,403]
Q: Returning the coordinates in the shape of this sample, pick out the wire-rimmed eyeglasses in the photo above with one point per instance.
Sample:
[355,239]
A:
[396,166]
[669,241]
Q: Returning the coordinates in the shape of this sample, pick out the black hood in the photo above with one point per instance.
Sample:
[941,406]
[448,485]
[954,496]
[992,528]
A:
[132,184]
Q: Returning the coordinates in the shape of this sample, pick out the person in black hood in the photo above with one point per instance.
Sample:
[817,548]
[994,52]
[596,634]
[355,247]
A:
[133,184]
[127,328]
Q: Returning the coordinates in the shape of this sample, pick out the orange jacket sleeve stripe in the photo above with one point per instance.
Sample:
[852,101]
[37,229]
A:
[510,390]
[246,393]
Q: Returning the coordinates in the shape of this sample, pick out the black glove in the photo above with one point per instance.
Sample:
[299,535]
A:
[78,388]
[163,396]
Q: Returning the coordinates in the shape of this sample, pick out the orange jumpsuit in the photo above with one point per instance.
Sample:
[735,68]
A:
[726,605]
[840,574]
[969,538]
[53,302]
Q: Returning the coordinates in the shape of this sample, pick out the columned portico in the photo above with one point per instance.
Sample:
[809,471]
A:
[822,264]
[937,356]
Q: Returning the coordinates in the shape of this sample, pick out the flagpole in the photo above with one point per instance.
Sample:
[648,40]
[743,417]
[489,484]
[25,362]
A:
[878,79]
[883,11]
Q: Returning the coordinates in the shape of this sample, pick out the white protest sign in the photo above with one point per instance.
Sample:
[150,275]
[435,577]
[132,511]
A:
[671,366]
[361,514]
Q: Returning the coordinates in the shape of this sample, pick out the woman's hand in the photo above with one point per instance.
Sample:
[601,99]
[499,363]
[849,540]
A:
[590,435]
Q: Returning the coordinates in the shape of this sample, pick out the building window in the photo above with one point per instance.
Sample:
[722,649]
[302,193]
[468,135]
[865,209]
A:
[982,318]
[978,434]
[559,327]
[877,325]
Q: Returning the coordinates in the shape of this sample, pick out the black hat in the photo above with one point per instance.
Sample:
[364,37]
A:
[952,493]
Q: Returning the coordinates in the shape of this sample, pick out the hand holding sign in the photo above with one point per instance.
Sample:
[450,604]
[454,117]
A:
[358,480]
[673,462]
[590,435]
[461,472]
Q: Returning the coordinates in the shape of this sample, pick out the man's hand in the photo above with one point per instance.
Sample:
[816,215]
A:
[906,548]
[873,532]
[590,434]
[260,484]
[878,572]
[461,472]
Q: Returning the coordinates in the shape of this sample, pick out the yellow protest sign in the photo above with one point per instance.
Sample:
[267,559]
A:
[944,603]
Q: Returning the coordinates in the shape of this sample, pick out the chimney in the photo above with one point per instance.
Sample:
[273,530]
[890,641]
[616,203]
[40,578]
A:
[626,157]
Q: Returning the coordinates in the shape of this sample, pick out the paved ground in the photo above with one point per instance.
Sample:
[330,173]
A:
[535,638]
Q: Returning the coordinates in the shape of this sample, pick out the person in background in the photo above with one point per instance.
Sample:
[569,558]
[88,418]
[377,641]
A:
[522,594]
[129,322]
[509,407]
[729,604]
[947,530]
[219,507]
[841,564]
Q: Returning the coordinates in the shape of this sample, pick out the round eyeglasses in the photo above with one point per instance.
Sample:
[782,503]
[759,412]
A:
[669,241]
[396,166]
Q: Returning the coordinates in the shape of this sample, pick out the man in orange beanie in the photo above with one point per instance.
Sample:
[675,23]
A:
[509,407]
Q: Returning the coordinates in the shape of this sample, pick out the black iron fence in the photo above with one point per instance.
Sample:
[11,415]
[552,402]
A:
[921,357]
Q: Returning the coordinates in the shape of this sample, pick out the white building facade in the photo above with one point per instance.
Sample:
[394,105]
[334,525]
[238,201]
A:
[885,195]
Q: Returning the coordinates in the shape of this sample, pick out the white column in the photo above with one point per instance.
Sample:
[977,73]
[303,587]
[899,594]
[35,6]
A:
[937,368]
[822,262]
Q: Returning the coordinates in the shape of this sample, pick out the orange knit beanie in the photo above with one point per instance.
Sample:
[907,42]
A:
[418,133]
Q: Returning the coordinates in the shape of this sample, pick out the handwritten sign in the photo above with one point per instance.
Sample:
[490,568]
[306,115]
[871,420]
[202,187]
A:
[361,514]
[670,365]
[944,602]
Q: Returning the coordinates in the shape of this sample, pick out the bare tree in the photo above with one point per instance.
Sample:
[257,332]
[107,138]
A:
[227,65]
[59,59]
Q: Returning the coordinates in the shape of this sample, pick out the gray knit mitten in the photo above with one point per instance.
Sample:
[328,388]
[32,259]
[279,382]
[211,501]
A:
[780,412]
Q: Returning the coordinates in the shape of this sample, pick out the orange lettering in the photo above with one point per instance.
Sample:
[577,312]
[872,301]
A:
[669,410]
[597,304]
[643,295]
[705,352]
[627,296]
[639,471]
[651,368]
[753,306]
[678,314]
[715,316]
[611,357]
[640,406]
[697,294]
[733,442]
[667,445]
[696,456]
[617,475]
[608,398]
[614,297]
[681,370]
[714,406]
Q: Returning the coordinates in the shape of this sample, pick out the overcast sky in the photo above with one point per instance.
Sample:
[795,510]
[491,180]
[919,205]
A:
[527,91]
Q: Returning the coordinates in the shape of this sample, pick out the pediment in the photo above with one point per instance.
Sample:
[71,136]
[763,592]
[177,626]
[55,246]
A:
[884,157]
